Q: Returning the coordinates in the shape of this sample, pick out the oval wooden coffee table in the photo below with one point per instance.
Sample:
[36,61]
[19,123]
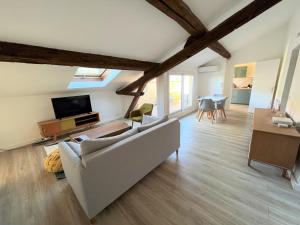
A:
[106,130]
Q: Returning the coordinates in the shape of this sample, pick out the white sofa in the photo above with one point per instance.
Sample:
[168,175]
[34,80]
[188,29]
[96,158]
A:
[100,177]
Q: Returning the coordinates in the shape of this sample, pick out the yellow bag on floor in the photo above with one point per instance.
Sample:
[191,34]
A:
[53,163]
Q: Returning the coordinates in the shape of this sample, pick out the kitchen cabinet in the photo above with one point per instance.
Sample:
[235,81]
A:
[241,96]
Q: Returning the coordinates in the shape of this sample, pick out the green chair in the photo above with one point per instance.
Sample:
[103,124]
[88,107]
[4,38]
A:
[137,115]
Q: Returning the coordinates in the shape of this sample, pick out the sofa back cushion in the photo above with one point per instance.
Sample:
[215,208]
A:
[149,125]
[75,147]
[92,145]
[149,119]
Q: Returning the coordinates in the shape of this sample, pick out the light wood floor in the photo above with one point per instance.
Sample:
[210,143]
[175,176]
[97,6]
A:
[209,183]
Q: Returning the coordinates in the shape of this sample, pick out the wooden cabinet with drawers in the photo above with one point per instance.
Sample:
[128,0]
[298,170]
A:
[271,144]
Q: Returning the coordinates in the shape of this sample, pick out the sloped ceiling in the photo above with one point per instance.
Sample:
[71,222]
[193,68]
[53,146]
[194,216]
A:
[275,17]
[124,28]
[31,79]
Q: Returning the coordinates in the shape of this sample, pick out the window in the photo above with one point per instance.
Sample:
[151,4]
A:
[175,93]
[92,77]
[89,74]
[180,92]
[150,96]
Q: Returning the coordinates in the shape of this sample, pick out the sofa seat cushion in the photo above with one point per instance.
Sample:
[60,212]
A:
[149,125]
[92,145]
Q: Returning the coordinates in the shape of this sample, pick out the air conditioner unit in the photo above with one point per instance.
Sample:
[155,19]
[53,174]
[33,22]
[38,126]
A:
[208,69]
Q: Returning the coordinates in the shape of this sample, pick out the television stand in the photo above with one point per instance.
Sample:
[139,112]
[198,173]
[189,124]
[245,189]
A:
[57,127]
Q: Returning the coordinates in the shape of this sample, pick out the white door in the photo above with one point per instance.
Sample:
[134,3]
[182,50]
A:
[264,84]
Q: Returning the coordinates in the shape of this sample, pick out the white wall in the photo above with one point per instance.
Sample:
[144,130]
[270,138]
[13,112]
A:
[212,82]
[293,103]
[268,46]
[163,95]
[19,114]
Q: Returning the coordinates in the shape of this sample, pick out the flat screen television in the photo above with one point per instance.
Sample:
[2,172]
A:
[71,106]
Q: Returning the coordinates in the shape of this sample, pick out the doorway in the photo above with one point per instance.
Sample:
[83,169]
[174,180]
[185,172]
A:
[254,84]
[242,85]
[180,92]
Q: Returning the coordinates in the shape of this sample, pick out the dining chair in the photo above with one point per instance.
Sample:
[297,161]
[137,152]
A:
[206,106]
[220,108]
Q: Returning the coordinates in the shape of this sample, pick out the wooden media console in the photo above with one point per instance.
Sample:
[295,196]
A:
[56,127]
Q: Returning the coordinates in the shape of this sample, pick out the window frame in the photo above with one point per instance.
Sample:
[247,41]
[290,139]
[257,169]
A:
[182,108]
[85,77]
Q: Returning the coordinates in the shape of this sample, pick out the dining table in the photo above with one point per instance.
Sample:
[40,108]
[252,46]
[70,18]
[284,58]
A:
[212,97]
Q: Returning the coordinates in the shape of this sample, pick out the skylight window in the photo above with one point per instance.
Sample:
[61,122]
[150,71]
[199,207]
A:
[90,73]
[92,77]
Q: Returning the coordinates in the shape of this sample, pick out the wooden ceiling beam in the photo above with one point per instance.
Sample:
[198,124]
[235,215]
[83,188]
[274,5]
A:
[135,99]
[13,52]
[182,20]
[238,19]
[183,15]
[136,93]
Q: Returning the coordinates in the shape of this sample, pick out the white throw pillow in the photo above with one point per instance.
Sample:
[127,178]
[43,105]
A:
[92,145]
[149,125]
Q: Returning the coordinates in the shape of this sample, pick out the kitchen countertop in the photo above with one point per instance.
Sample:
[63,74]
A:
[242,88]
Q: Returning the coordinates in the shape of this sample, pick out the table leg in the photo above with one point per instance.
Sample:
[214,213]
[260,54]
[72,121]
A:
[200,116]
[55,137]
[285,173]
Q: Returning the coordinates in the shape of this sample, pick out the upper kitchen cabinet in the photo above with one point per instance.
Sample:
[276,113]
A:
[240,71]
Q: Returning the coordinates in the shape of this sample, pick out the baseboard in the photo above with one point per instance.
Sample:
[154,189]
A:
[16,146]
[183,113]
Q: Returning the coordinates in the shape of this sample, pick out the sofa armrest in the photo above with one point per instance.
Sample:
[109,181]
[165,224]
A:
[68,155]
[74,171]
